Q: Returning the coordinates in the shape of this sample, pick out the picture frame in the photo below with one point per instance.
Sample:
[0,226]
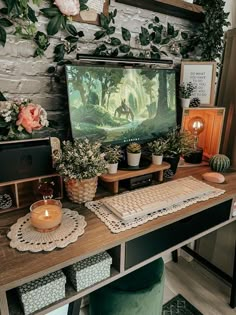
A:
[203,75]
[92,15]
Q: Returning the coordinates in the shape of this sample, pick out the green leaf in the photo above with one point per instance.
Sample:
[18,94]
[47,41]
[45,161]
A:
[10,5]
[99,34]
[39,52]
[126,35]
[170,29]
[124,48]
[54,25]
[31,15]
[72,39]
[157,38]
[150,26]
[102,47]
[104,21]
[3,36]
[51,69]
[156,19]
[156,56]
[41,40]
[165,41]
[81,34]
[71,29]
[59,49]
[115,41]
[184,35]
[144,37]
[115,53]
[4,11]
[2,97]
[111,30]
[83,7]
[5,22]
[115,13]
[50,12]
[176,33]
[154,49]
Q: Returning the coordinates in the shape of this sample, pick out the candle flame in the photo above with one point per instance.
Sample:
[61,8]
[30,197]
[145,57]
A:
[46,213]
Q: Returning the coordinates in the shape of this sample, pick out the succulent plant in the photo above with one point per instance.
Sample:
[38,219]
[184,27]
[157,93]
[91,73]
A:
[134,147]
[112,153]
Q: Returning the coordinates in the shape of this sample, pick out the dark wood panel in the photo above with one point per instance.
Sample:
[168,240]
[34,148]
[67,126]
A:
[176,8]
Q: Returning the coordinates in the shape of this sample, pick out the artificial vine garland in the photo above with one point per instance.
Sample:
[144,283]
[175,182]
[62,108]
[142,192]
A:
[154,39]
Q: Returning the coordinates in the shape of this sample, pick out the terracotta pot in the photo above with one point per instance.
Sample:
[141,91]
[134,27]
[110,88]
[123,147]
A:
[81,191]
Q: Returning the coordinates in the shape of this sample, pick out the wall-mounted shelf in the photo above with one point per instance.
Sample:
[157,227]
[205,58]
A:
[178,8]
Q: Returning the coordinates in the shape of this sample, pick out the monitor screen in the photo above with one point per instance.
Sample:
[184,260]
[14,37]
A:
[120,104]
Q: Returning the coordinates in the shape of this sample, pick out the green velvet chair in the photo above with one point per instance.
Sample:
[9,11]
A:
[138,293]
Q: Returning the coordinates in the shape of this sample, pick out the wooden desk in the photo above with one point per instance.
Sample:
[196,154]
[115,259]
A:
[17,268]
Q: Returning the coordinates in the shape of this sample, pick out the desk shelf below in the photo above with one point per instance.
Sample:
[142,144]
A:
[112,180]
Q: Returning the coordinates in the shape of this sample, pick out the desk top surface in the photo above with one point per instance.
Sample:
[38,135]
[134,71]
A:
[19,267]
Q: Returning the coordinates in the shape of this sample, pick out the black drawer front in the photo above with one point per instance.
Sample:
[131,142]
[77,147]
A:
[153,243]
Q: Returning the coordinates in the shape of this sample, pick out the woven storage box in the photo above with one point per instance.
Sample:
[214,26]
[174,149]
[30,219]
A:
[89,271]
[37,294]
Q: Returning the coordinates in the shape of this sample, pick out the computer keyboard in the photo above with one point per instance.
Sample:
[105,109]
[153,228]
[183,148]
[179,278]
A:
[142,201]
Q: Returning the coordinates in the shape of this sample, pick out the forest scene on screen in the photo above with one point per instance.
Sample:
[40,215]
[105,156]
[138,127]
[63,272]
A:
[119,104]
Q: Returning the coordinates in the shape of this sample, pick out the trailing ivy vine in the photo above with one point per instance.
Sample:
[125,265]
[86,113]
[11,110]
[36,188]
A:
[154,40]
[209,35]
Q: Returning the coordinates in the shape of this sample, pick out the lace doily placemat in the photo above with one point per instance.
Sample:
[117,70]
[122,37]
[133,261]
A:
[116,225]
[25,238]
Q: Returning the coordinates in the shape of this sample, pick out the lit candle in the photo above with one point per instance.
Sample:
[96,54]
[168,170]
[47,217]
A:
[46,215]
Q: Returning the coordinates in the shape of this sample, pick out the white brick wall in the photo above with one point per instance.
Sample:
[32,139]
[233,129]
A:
[21,75]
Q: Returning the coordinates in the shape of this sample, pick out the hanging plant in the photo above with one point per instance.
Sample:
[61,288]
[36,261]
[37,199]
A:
[209,35]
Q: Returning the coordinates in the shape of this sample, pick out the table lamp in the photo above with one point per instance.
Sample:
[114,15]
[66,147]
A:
[195,126]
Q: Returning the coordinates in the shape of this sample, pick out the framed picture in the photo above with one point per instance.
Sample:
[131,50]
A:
[92,15]
[203,76]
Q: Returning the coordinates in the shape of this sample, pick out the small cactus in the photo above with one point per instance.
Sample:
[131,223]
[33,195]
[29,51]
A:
[219,162]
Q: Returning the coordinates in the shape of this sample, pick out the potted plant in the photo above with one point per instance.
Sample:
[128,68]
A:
[157,148]
[133,154]
[80,163]
[112,155]
[186,91]
[178,142]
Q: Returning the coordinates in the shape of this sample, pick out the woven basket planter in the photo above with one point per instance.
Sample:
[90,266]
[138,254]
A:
[81,191]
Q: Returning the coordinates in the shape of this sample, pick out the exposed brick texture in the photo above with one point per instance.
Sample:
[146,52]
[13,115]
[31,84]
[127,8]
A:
[21,75]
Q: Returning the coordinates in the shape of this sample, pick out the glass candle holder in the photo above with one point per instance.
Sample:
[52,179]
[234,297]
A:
[46,215]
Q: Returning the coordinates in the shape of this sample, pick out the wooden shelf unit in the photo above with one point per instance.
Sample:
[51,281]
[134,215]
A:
[24,192]
[178,8]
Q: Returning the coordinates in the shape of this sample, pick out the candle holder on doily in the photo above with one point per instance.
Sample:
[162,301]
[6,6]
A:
[25,237]
[46,215]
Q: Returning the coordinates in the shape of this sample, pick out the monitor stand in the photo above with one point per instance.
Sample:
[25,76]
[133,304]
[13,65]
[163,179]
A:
[111,181]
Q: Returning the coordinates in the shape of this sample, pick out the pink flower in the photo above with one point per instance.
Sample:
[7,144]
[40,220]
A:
[68,7]
[29,117]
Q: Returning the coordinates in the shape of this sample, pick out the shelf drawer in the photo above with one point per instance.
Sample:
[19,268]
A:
[153,243]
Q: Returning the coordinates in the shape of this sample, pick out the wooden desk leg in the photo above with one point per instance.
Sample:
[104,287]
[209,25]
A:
[233,289]
[3,304]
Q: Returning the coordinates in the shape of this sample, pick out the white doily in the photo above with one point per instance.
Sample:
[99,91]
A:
[25,238]
[116,225]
